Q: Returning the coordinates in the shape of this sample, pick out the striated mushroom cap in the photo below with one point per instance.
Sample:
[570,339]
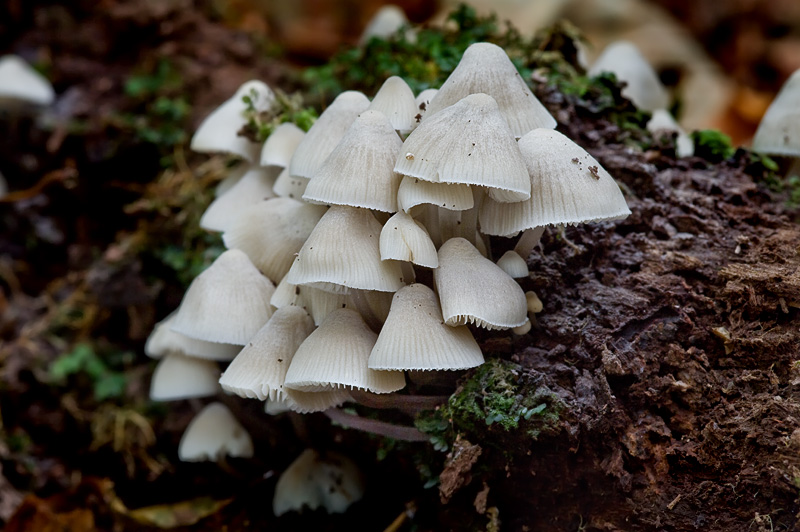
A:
[568,186]
[626,62]
[779,130]
[227,303]
[212,434]
[415,336]
[473,289]
[486,68]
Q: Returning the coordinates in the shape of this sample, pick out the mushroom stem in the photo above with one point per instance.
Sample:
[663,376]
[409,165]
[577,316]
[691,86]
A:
[410,404]
[530,239]
[365,309]
[562,232]
[374,426]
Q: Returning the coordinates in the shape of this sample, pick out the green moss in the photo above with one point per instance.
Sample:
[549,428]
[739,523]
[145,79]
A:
[286,108]
[423,62]
[108,381]
[712,145]
[492,398]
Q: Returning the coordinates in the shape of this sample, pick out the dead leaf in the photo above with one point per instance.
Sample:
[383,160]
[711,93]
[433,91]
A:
[38,514]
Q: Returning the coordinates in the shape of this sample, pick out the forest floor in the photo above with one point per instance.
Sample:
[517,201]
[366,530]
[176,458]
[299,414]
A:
[659,388]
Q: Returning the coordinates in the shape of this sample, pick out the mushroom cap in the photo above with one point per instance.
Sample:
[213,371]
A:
[513,265]
[468,143]
[288,186]
[405,239]
[384,23]
[330,480]
[343,252]
[779,130]
[181,377]
[626,62]
[254,186]
[396,101]
[486,68]
[19,82]
[271,233]
[662,121]
[281,144]
[415,336]
[212,434]
[316,302]
[163,340]
[568,186]
[336,356]
[473,289]
[414,191]
[219,131]
[326,133]
[259,370]
[227,303]
[359,171]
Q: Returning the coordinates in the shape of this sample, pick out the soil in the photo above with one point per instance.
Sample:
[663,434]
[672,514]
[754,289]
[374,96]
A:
[670,338]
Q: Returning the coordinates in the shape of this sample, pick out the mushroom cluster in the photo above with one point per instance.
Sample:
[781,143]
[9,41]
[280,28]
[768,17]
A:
[329,231]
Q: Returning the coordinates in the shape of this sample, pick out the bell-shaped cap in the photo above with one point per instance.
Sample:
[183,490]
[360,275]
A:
[271,233]
[513,264]
[163,340]
[212,434]
[359,171]
[336,356]
[385,23]
[414,191]
[626,62]
[227,303]
[316,302]
[288,186]
[343,251]
[180,377]
[468,143]
[21,84]
[568,186]
[473,289]
[663,122]
[415,336]
[486,68]
[281,144]
[326,133]
[218,133]
[254,186]
[329,480]
[779,130]
[396,101]
[259,370]
[405,239]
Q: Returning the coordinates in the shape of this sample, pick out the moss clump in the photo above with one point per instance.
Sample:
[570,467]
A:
[423,62]
[493,397]
[713,146]
[287,108]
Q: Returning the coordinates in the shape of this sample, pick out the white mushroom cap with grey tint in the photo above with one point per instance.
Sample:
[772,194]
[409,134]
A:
[568,186]
[255,185]
[779,130]
[271,232]
[343,252]
[626,62]
[662,122]
[513,265]
[178,376]
[330,480]
[21,84]
[473,289]
[405,239]
[218,133]
[486,68]
[326,133]
[163,340]
[228,302]
[281,144]
[415,336]
[212,434]
[336,355]
[359,171]
[467,143]
[396,101]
